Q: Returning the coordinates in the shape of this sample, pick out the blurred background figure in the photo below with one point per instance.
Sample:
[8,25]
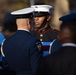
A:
[62,62]
[60,8]
[8,28]
[42,27]
[1,40]
[70,7]
[9,25]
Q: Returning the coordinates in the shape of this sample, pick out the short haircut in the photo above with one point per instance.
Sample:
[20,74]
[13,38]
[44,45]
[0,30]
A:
[71,24]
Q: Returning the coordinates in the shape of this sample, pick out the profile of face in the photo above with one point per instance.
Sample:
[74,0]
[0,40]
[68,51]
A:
[38,21]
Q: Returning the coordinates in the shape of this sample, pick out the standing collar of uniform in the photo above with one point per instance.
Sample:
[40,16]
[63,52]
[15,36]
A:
[44,29]
[69,44]
[23,29]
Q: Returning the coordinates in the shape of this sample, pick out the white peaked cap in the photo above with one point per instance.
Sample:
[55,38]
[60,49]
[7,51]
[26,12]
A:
[23,11]
[42,8]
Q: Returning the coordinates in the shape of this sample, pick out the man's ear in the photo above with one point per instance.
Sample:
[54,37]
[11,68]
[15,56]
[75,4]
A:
[28,22]
[48,18]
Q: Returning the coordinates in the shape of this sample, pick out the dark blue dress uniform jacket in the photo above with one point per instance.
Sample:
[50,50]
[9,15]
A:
[62,62]
[22,52]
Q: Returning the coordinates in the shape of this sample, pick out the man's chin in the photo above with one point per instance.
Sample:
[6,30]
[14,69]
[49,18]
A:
[37,26]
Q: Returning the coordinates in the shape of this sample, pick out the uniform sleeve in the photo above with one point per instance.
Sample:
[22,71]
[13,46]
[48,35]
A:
[4,62]
[35,54]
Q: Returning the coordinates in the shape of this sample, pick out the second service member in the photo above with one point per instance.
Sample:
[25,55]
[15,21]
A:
[42,18]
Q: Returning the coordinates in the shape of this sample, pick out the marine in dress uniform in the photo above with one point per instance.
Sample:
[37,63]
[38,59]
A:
[43,31]
[62,62]
[21,52]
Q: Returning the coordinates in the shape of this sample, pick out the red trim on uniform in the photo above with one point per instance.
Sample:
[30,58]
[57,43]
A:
[45,48]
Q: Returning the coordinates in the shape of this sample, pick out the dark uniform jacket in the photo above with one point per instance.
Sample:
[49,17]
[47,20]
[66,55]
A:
[22,53]
[62,62]
[45,34]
